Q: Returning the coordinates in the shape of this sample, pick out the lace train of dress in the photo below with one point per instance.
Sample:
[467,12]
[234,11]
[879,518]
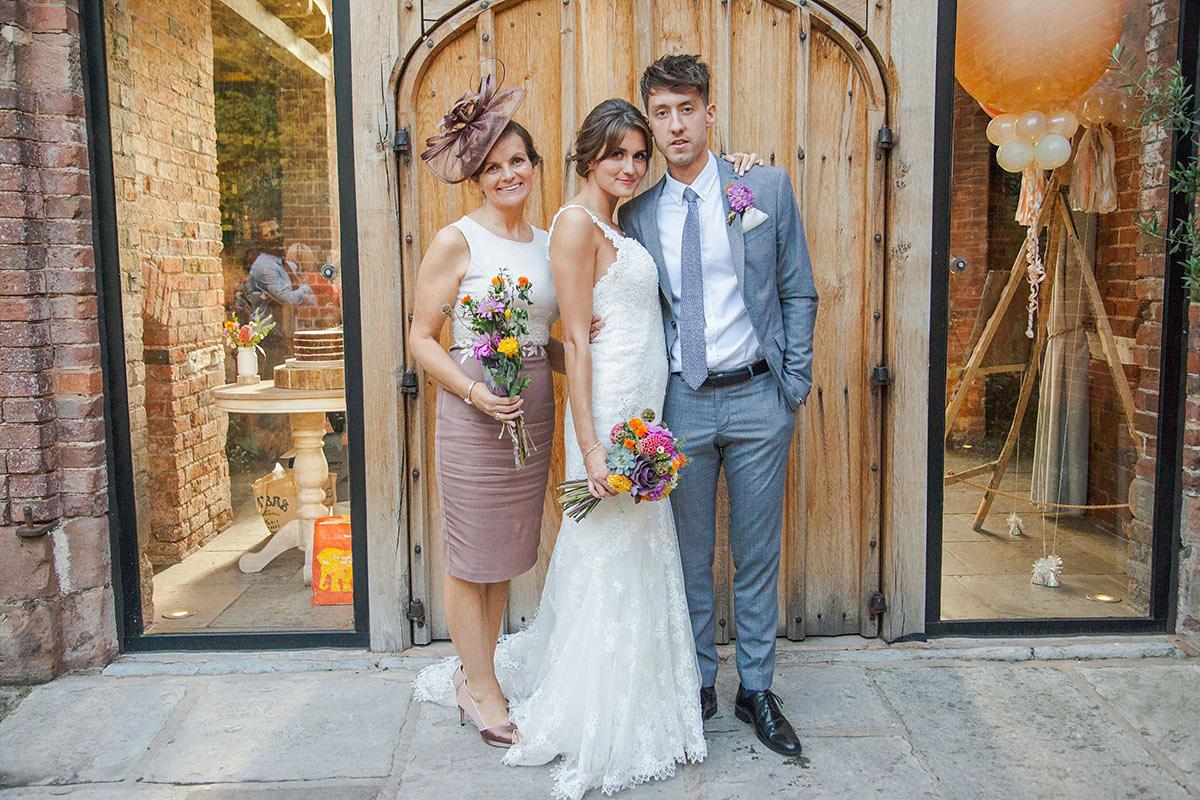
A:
[605,675]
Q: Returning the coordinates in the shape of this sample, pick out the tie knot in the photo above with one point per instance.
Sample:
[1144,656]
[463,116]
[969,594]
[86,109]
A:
[690,196]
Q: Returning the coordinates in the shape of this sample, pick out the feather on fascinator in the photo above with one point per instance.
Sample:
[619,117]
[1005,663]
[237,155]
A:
[469,129]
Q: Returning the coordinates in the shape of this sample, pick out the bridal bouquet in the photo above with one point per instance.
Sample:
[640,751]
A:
[498,324]
[644,461]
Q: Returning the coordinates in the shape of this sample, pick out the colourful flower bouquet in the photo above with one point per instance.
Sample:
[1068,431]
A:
[644,461]
[249,334]
[499,323]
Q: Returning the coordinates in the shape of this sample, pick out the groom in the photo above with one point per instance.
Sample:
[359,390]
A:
[738,306]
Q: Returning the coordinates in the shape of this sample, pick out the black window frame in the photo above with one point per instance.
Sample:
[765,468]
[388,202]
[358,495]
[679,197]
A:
[122,520]
[1172,379]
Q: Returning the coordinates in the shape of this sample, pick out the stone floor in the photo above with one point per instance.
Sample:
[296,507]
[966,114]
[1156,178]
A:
[1083,718]
[985,574]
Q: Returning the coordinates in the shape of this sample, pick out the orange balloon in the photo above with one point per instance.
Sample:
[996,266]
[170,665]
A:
[1015,55]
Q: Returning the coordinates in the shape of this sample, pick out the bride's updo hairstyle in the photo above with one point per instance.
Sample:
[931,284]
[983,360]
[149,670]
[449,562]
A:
[602,131]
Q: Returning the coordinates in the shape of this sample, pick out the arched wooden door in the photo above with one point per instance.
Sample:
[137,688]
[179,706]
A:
[792,82]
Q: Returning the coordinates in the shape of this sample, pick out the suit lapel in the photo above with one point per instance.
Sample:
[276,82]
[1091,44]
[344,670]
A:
[649,224]
[734,231]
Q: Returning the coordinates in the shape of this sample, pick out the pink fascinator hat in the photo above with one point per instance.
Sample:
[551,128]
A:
[470,128]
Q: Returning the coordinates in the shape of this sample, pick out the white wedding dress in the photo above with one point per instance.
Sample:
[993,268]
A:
[605,675]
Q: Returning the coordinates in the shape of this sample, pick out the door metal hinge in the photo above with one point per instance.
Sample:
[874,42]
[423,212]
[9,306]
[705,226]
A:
[884,140]
[416,613]
[881,375]
[409,383]
[402,145]
[877,605]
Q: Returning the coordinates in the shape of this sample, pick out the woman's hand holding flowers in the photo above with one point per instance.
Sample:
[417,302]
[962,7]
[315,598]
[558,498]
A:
[505,409]
[598,472]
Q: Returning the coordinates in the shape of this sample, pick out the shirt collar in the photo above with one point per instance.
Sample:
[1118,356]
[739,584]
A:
[704,185]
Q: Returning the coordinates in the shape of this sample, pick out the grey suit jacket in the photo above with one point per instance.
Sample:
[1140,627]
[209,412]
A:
[772,266]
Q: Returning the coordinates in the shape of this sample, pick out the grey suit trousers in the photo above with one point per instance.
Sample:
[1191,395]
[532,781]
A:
[747,429]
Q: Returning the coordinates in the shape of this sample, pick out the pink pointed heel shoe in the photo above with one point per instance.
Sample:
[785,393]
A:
[458,678]
[497,735]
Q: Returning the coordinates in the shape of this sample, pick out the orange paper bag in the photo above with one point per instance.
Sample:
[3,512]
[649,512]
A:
[332,576]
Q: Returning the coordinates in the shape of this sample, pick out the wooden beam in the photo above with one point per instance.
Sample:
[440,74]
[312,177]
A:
[955,477]
[278,31]
[1107,341]
[375,30]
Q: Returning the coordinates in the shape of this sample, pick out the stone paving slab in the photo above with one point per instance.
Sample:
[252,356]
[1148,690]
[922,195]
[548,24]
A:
[77,730]
[1024,733]
[827,698]
[332,725]
[309,790]
[840,767]
[1171,721]
[116,791]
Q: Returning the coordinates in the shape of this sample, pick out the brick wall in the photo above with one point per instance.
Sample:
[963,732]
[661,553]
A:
[164,142]
[1154,150]
[56,601]
[969,240]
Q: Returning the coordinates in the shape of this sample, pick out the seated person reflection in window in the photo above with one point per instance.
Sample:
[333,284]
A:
[274,288]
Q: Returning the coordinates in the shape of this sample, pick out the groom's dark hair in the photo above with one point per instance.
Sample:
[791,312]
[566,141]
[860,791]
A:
[675,74]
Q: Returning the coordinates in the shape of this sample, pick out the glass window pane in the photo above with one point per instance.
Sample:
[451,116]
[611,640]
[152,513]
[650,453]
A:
[224,152]
[1051,413]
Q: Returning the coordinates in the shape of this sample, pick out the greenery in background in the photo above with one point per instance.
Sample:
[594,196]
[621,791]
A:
[10,696]
[1167,102]
[249,165]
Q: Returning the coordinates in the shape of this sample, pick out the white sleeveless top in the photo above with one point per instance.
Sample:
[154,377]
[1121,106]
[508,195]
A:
[490,254]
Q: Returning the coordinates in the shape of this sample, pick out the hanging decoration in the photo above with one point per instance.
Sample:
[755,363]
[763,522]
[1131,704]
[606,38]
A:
[1046,570]
[1014,525]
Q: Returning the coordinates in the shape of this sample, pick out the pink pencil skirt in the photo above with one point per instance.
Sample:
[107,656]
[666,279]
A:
[491,509]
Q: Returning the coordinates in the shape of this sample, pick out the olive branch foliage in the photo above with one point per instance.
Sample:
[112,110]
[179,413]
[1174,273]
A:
[1167,102]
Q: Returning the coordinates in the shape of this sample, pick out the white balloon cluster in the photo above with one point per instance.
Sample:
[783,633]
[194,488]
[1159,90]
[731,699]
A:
[1032,139]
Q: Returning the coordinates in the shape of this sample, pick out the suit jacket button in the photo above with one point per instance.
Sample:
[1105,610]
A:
[673,325]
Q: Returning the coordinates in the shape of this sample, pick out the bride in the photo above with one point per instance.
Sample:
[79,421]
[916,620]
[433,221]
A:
[605,675]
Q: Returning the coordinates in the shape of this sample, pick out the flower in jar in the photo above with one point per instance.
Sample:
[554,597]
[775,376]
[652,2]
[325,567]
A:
[245,335]
[508,346]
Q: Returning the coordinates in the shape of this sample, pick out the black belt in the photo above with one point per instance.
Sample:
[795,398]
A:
[734,376]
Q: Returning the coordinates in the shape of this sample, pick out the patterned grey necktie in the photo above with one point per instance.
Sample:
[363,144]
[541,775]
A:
[692,348]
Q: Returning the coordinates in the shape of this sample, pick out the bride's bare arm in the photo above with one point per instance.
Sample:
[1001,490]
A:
[573,262]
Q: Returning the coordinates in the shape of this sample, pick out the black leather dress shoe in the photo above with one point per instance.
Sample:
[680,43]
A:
[708,702]
[763,710]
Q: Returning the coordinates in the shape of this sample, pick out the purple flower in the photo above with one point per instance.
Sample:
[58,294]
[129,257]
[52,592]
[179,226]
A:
[491,308]
[740,197]
[484,347]
[644,478]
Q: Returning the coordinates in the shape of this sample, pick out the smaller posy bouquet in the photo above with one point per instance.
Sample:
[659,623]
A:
[644,461]
[249,334]
[499,323]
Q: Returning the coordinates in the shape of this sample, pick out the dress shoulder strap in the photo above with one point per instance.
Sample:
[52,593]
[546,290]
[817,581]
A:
[604,227]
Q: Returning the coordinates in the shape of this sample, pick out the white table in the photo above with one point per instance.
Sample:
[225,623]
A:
[306,413]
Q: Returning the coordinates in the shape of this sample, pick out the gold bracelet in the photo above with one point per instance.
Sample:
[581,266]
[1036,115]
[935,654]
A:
[467,398]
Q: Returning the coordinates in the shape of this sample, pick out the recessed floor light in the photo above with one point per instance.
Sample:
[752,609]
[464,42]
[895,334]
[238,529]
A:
[1104,598]
[178,613]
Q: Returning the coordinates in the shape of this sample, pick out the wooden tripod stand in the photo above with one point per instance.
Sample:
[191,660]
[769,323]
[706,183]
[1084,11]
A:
[1056,216]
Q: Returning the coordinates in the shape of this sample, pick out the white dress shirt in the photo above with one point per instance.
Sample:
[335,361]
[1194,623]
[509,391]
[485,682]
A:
[728,332]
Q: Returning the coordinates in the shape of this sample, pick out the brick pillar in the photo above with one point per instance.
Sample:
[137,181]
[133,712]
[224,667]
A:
[309,161]
[164,142]
[1155,153]
[56,601]
[969,240]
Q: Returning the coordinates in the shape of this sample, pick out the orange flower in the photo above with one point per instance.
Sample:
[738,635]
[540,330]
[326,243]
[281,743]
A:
[466,299]
[629,444]
[522,281]
[497,281]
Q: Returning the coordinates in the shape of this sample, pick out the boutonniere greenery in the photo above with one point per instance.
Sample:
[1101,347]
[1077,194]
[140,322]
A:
[741,202]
